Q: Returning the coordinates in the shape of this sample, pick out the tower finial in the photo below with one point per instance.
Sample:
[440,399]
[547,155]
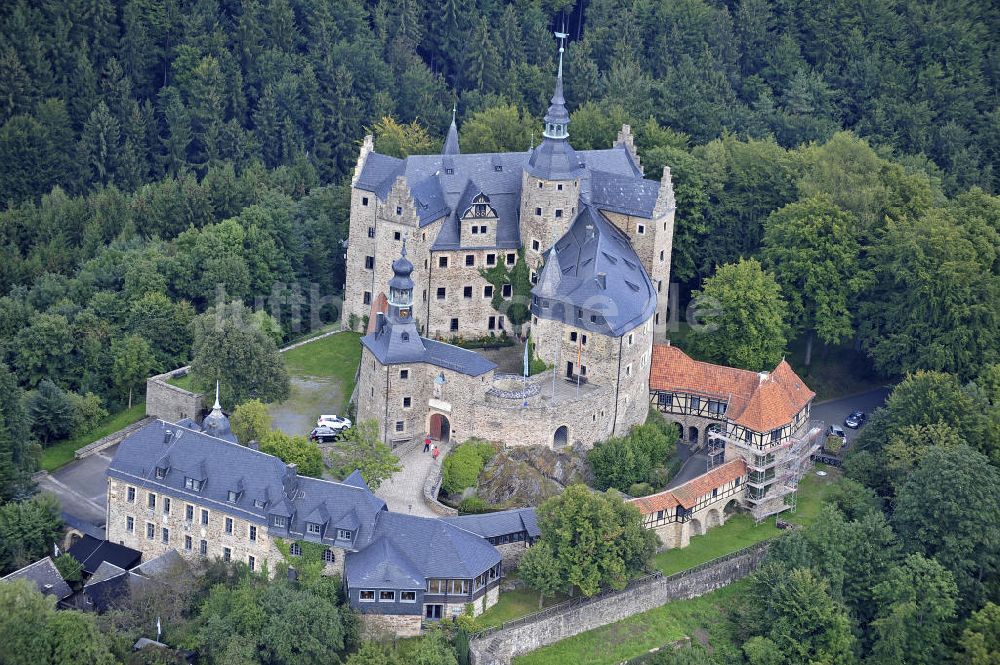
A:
[403,252]
[217,406]
[454,108]
[561,36]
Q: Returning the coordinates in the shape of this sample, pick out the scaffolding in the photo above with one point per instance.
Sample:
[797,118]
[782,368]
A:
[773,473]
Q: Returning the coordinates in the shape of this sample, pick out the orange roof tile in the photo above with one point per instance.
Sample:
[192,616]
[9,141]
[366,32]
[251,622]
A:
[687,495]
[761,402]
[380,304]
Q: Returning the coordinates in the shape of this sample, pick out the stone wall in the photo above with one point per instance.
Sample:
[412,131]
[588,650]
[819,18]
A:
[546,228]
[516,638]
[111,439]
[171,403]
[473,313]
[398,625]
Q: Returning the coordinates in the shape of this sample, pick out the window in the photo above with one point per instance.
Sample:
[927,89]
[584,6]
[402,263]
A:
[364,200]
[130,494]
[535,245]
[371,231]
[369,262]
[661,255]
[259,503]
[295,549]
[192,484]
[558,213]
[189,512]
[497,167]
[715,492]
[399,210]
[253,533]
[279,520]
[467,292]
[343,534]
[367,298]
[482,229]
[511,258]
[475,229]
[203,548]
[572,336]
[252,563]
[395,235]
[665,399]
[640,229]
[442,262]
[407,596]
[492,323]
[506,290]
[441,293]
[491,259]
[538,212]
[150,530]
[400,426]
[229,525]
[386,596]
[628,370]
[458,586]
[630,339]
[776,435]
[559,187]
[204,516]
[366,596]
[151,501]
[406,402]
[166,505]
[404,374]
[454,325]
[500,322]
[227,554]
[488,291]
[161,473]
[695,403]
[129,524]
[540,185]
[232,496]
[329,556]
[437,586]
[313,529]
[583,339]
[470,259]
[165,534]
[534,277]
[187,543]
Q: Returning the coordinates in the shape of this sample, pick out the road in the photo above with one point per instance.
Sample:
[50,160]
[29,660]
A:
[829,413]
[81,486]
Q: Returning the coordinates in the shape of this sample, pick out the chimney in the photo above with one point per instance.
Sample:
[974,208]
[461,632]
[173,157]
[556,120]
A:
[293,469]
[762,376]
[167,436]
[602,280]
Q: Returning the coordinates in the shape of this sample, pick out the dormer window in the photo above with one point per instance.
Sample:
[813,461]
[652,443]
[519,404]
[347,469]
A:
[279,521]
[233,497]
[161,472]
[259,503]
[193,484]
[405,336]
[344,534]
[295,549]
[314,529]
[450,171]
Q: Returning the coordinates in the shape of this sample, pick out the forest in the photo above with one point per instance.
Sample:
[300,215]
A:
[836,166]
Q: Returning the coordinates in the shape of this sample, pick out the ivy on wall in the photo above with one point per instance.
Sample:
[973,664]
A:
[516,308]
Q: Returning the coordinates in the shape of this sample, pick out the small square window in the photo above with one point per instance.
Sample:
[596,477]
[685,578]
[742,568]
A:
[558,213]
[343,534]
[371,231]
[442,262]
[559,187]
[399,210]
[130,494]
[641,229]
[295,549]
[491,259]
[535,245]
[329,556]
[475,229]
[454,325]
[507,290]
[161,473]
[386,596]
[441,293]
[540,185]
[488,291]
[470,259]
[572,336]
[498,168]
[227,554]
[467,292]
[396,235]
[369,263]
[204,516]
[400,426]
[203,548]
[187,543]
[364,200]
[129,524]
[404,374]
[406,402]
[313,529]
[538,212]
[232,496]
[482,229]
[368,298]
[511,258]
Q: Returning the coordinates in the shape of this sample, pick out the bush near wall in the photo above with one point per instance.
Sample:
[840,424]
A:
[463,465]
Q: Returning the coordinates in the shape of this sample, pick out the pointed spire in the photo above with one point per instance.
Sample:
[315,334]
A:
[557,118]
[216,406]
[451,146]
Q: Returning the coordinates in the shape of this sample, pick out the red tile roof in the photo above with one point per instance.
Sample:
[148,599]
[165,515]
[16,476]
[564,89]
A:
[687,494]
[380,304]
[761,402]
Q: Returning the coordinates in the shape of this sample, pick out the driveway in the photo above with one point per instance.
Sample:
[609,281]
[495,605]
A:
[834,411]
[404,492]
[81,486]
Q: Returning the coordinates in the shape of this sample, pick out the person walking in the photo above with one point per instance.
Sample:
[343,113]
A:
[435,453]
[427,444]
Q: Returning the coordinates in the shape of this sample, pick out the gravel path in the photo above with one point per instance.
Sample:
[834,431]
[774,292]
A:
[404,492]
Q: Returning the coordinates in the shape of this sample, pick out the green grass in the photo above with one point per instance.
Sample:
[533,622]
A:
[185,382]
[638,634]
[336,357]
[514,605]
[61,453]
[740,531]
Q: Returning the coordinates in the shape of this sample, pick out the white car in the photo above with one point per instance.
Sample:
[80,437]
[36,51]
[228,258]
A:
[334,422]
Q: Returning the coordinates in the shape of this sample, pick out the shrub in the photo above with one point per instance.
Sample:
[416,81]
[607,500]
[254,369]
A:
[621,462]
[640,489]
[88,411]
[463,465]
[473,504]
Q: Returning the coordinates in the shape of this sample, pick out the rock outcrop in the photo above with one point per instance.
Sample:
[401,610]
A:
[519,477]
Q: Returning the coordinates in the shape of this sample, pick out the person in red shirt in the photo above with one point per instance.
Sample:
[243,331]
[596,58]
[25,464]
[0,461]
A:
[435,453]
[427,444]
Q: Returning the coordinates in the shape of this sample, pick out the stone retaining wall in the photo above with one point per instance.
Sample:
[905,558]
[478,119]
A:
[171,403]
[515,638]
[433,485]
[111,439]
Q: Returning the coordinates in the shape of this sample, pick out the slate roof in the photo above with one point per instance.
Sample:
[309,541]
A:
[502,523]
[44,575]
[687,495]
[759,401]
[92,552]
[592,279]
[390,348]
[433,548]
[227,466]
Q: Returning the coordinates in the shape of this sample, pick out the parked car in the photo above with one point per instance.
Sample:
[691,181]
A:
[334,422]
[325,434]
[836,430]
[856,419]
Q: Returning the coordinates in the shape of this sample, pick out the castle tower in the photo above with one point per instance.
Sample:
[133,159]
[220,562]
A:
[550,188]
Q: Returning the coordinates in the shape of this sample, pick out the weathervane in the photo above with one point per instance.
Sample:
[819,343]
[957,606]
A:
[561,36]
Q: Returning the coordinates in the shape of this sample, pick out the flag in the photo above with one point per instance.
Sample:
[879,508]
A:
[526,345]
[157,629]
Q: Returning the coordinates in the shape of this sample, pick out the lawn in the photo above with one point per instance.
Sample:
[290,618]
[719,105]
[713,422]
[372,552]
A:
[617,642]
[513,605]
[186,382]
[740,531]
[61,453]
[336,356]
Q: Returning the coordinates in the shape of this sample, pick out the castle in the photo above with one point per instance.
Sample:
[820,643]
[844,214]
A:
[596,238]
